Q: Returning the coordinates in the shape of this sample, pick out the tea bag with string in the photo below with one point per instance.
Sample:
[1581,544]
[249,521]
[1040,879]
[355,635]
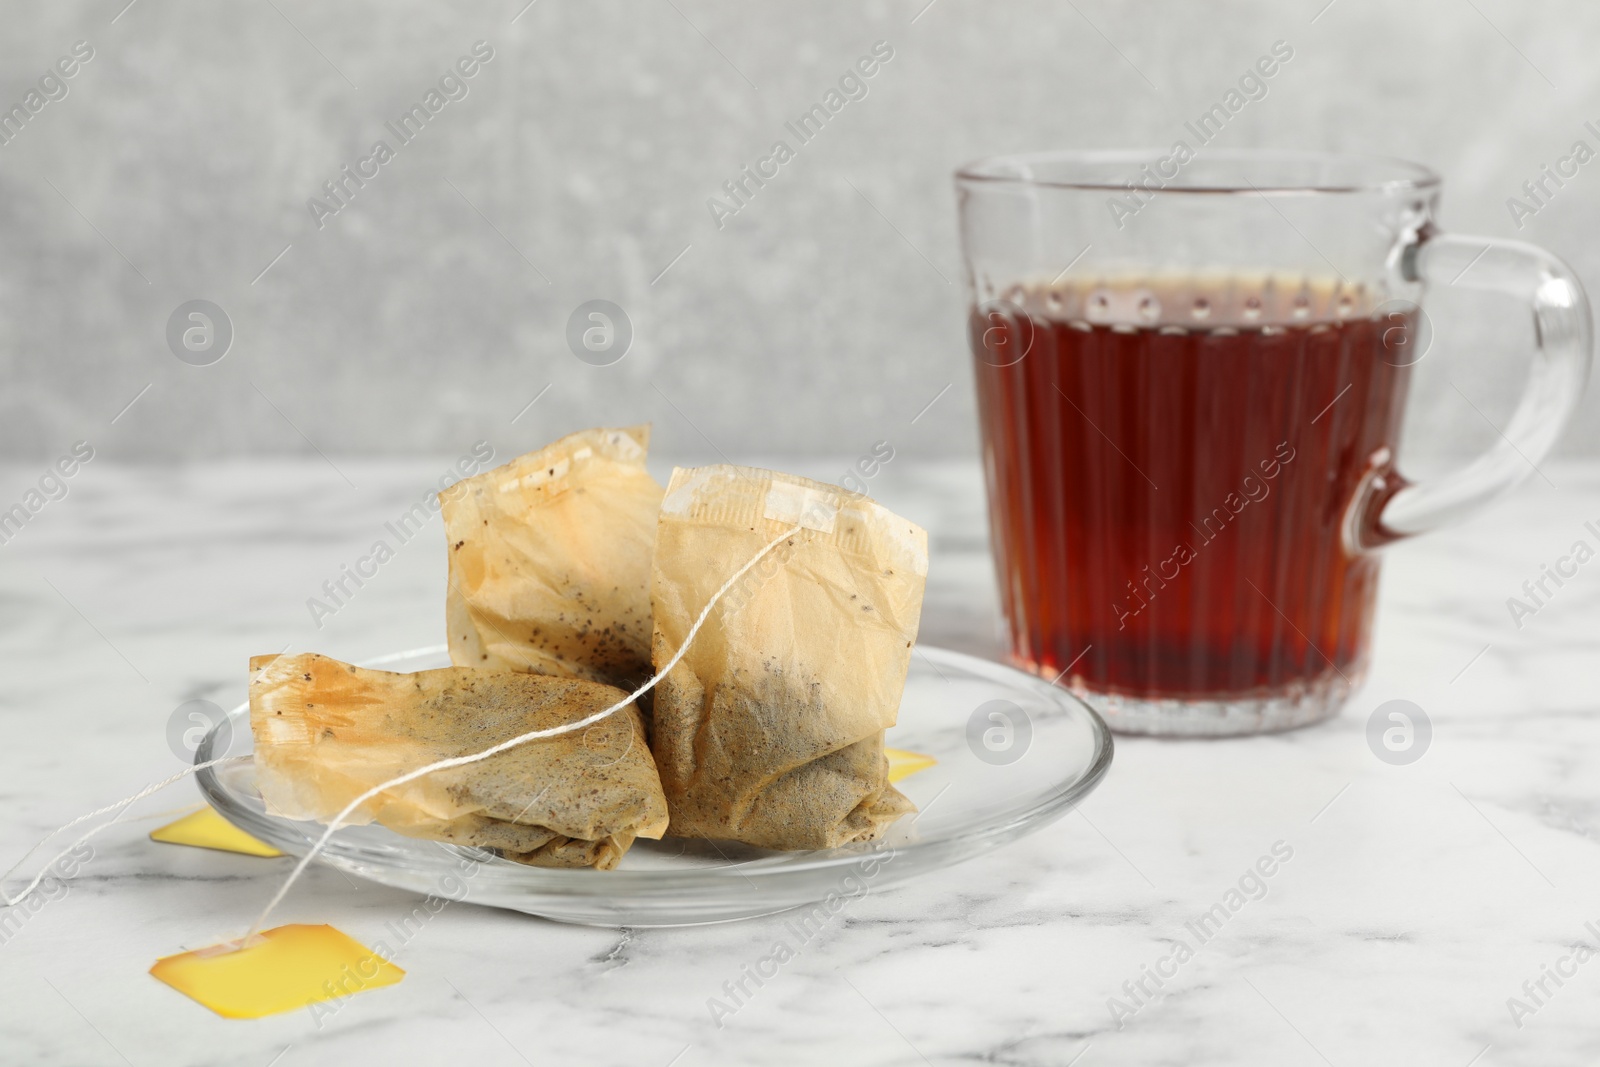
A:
[550,560]
[326,731]
[770,728]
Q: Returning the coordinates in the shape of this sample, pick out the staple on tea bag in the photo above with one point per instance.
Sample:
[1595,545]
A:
[325,731]
[769,730]
[550,560]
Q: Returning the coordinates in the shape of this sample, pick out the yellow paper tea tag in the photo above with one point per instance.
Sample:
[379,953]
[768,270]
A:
[206,829]
[903,764]
[281,969]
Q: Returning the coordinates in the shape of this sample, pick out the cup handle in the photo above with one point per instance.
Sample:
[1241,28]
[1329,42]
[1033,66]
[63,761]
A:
[1388,507]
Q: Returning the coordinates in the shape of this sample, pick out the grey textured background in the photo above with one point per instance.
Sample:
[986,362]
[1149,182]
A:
[430,312]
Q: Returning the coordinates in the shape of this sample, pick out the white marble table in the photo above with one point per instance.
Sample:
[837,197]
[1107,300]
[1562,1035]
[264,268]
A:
[1417,899]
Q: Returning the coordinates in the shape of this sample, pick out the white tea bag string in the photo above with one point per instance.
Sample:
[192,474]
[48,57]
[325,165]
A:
[119,807]
[520,739]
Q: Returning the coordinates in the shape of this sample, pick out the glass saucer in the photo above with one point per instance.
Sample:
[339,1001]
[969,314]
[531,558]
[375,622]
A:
[1013,753]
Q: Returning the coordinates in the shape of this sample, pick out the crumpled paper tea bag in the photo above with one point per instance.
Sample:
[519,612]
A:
[326,732]
[550,560]
[770,729]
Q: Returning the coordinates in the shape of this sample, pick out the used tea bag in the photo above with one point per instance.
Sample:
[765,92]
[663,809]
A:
[550,560]
[770,729]
[326,732]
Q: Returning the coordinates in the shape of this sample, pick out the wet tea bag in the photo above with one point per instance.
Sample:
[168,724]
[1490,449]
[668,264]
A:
[770,729]
[325,732]
[550,560]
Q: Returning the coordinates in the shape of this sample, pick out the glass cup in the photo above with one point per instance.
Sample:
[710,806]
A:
[1191,371]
